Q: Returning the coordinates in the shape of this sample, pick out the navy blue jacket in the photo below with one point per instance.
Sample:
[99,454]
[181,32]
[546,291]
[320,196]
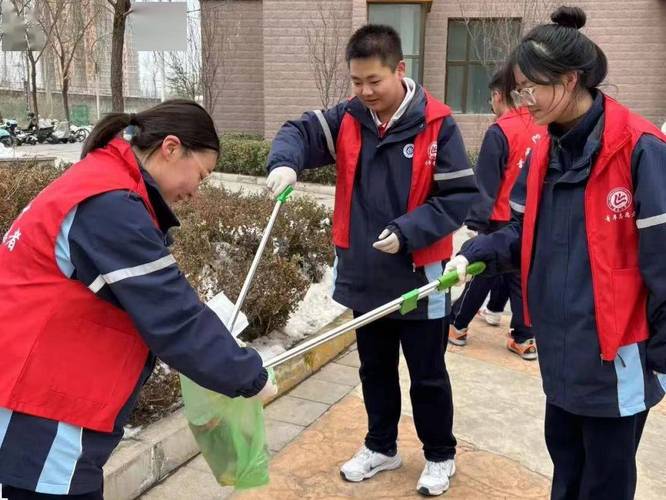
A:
[366,278]
[561,298]
[490,166]
[103,234]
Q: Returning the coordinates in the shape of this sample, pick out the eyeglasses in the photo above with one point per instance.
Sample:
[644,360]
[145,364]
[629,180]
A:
[523,97]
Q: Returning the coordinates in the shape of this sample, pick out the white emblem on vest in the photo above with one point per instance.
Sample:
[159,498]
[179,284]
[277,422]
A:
[619,199]
[432,154]
[408,151]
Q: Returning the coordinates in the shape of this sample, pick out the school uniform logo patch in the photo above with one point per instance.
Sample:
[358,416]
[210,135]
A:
[619,199]
[432,152]
[408,151]
[432,155]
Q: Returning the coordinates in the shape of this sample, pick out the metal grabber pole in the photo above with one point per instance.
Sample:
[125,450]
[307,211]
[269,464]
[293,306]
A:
[284,196]
[404,304]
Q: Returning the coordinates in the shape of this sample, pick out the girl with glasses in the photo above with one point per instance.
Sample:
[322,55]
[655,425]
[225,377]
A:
[588,233]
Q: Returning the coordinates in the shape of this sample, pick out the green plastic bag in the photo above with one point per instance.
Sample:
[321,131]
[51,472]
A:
[230,433]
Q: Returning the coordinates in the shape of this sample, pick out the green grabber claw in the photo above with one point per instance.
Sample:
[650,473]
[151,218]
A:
[284,195]
[409,301]
[451,278]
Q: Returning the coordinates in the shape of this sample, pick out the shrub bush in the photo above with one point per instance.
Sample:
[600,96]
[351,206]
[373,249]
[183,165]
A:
[20,182]
[247,155]
[220,234]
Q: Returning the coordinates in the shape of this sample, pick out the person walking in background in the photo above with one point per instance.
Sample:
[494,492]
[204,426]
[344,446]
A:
[505,147]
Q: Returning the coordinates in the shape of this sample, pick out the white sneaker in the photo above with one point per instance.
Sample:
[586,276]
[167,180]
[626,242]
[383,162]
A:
[434,479]
[366,463]
[490,317]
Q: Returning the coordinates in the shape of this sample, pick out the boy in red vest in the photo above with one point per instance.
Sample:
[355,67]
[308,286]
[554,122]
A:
[588,233]
[403,187]
[505,147]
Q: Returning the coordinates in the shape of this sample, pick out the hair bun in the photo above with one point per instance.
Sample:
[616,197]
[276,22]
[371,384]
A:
[569,17]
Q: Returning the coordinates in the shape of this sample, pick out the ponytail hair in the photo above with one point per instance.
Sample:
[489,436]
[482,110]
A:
[182,118]
[551,50]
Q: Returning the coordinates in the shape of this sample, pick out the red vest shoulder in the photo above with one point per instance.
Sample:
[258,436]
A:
[69,355]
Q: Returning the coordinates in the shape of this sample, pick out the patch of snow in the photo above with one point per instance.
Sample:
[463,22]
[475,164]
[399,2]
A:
[6,152]
[315,311]
[130,431]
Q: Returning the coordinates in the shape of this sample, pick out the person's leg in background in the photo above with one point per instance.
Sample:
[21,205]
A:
[521,339]
[499,297]
[465,308]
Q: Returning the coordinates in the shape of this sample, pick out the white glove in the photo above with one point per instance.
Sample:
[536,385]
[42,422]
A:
[459,265]
[279,179]
[270,389]
[470,232]
[388,242]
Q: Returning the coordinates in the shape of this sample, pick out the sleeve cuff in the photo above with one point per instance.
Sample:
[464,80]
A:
[256,386]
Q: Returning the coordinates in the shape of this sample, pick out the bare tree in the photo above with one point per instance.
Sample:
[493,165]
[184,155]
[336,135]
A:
[121,9]
[325,39]
[497,32]
[32,14]
[185,67]
[182,80]
[69,29]
[96,52]
[219,39]
[494,29]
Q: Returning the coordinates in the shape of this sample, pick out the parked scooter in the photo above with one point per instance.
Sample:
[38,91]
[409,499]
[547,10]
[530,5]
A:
[25,137]
[80,134]
[6,138]
[7,134]
[61,134]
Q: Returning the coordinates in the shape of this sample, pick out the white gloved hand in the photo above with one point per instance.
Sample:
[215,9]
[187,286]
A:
[279,179]
[270,389]
[459,265]
[470,232]
[388,242]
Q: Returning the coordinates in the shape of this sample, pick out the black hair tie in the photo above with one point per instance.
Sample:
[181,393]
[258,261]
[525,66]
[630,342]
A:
[132,118]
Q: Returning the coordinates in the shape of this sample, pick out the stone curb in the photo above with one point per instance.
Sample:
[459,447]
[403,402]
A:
[305,187]
[144,460]
[42,161]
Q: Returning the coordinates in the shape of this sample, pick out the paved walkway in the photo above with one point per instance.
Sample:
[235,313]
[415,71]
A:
[498,422]
[69,152]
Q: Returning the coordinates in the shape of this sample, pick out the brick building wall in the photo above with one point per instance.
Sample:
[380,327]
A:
[634,39]
[240,84]
[633,36]
[289,87]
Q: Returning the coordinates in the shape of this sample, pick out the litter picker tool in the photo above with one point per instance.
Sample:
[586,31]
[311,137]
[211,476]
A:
[404,304]
[281,199]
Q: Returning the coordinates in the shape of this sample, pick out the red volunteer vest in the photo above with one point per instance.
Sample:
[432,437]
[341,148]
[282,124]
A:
[67,355]
[620,295]
[521,134]
[348,148]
